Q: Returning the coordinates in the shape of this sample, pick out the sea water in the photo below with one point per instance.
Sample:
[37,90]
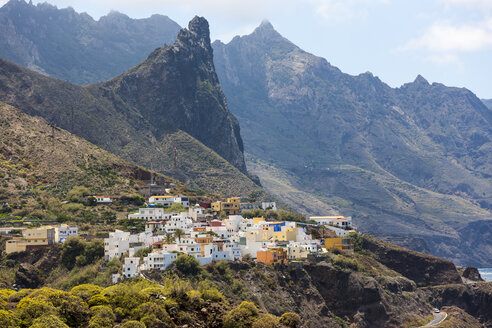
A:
[486,273]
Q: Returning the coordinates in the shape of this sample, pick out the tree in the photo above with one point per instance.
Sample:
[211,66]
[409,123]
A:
[169,238]
[187,264]
[178,233]
[72,247]
[176,207]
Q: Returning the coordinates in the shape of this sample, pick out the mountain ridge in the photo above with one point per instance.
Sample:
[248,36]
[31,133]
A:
[31,31]
[411,161]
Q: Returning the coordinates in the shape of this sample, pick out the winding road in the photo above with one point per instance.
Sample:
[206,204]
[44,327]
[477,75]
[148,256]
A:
[438,318]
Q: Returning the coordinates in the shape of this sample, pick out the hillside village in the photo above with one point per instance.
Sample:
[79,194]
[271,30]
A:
[222,230]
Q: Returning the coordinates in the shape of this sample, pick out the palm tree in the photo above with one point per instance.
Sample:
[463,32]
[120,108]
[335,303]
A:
[169,238]
[178,233]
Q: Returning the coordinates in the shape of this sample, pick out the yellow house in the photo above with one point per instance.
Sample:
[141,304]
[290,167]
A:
[342,243]
[290,234]
[31,238]
[258,220]
[230,207]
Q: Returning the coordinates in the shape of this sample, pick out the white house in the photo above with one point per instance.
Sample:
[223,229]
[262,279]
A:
[64,231]
[169,200]
[159,260]
[269,206]
[151,213]
[130,267]
[332,220]
[179,221]
[105,199]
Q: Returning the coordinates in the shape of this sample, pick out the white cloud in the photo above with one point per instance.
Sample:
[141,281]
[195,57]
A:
[444,37]
[343,10]
[472,4]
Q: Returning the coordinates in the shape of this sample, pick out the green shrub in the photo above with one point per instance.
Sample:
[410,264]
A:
[48,321]
[291,320]
[86,291]
[266,321]
[343,262]
[98,300]
[188,265]
[133,324]
[241,316]
[8,319]
[29,309]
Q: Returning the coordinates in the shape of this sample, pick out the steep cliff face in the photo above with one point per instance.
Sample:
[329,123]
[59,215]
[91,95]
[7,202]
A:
[425,270]
[176,88]
[171,101]
[413,161]
[74,47]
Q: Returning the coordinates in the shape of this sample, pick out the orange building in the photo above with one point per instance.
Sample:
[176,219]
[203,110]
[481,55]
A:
[271,255]
[342,243]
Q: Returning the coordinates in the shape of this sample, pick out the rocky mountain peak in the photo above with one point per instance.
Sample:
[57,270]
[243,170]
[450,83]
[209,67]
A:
[266,31]
[199,26]
[420,80]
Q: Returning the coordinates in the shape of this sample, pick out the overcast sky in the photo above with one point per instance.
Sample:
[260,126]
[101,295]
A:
[447,41]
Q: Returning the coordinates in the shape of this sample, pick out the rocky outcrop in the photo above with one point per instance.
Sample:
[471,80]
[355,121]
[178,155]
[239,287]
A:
[424,269]
[28,276]
[471,273]
[475,299]
[177,87]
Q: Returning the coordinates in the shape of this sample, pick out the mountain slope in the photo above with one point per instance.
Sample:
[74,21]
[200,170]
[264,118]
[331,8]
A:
[171,101]
[412,161]
[34,154]
[74,47]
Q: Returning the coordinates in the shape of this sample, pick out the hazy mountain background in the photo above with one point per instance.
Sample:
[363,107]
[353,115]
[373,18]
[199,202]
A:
[411,164]
[487,102]
[74,47]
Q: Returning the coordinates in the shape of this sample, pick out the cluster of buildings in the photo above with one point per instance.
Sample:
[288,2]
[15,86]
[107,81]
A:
[198,233]
[39,237]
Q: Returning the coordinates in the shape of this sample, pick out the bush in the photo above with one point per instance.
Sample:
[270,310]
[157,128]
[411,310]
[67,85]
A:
[8,319]
[358,241]
[48,321]
[78,252]
[102,317]
[176,207]
[133,324]
[242,316]
[188,265]
[266,321]
[77,193]
[291,320]
[86,291]
[343,262]
[212,294]
[97,300]
[30,309]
